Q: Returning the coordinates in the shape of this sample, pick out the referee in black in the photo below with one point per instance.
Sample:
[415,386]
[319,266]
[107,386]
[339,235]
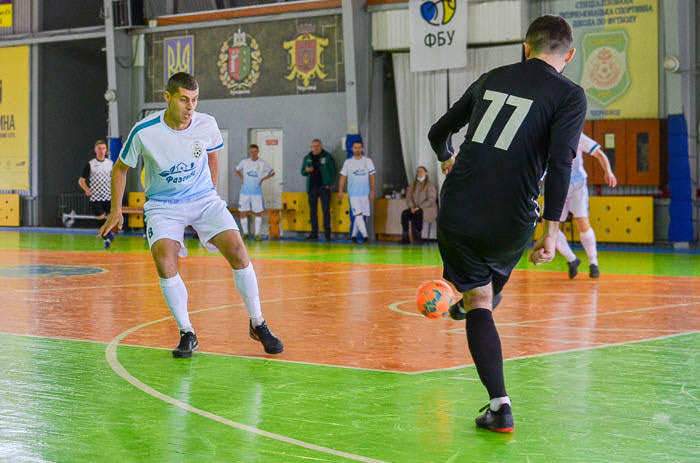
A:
[524,119]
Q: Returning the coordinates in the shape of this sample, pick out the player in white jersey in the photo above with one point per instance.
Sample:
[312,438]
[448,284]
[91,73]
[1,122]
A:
[359,172]
[577,204]
[179,149]
[253,171]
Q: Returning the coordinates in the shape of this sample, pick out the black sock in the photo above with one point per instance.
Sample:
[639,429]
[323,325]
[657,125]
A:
[485,347]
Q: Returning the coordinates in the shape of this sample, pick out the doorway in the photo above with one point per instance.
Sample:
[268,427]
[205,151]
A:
[271,151]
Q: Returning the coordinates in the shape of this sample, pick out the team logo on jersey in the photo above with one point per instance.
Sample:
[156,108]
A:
[179,55]
[305,56]
[239,63]
[438,13]
[179,173]
[605,75]
[197,148]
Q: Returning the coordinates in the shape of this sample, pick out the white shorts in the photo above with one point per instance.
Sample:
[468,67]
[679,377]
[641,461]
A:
[208,215]
[359,205]
[251,203]
[576,201]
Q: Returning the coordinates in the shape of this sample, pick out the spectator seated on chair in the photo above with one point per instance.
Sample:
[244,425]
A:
[421,199]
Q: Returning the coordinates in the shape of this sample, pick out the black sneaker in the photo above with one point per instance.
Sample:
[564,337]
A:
[188,344]
[270,342]
[593,271]
[328,237]
[457,309]
[573,268]
[500,421]
[312,236]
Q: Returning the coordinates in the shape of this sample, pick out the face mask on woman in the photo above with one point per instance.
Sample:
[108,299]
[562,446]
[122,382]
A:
[420,178]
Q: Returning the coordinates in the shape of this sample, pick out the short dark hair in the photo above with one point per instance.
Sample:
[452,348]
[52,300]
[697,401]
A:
[316,140]
[549,34]
[181,79]
[358,141]
[253,145]
[100,142]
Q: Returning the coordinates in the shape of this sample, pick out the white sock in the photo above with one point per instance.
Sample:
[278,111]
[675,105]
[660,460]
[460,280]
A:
[258,225]
[495,404]
[175,294]
[247,285]
[588,241]
[244,225]
[361,228]
[563,247]
[354,227]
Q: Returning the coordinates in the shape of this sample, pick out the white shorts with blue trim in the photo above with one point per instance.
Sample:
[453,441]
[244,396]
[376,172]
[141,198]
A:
[208,215]
[576,201]
[251,203]
[359,205]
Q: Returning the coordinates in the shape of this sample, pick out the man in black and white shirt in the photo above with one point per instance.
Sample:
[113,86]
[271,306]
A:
[96,183]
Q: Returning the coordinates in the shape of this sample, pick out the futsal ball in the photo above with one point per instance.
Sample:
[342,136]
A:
[434,298]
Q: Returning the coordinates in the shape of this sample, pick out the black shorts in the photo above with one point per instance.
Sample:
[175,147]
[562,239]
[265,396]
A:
[470,262]
[100,207]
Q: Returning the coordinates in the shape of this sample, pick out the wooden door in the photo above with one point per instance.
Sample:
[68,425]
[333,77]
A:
[643,157]
[612,136]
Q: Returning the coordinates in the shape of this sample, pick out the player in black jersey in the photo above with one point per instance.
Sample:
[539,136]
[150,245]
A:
[523,119]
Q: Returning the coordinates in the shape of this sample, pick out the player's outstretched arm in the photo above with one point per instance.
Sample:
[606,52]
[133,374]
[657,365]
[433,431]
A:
[213,161]
[115,217]
[341,186]
[545,247]
[609,176]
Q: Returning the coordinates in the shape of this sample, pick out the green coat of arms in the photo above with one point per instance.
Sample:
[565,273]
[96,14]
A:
[605,76]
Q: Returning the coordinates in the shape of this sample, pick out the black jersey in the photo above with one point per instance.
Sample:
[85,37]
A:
[524,118]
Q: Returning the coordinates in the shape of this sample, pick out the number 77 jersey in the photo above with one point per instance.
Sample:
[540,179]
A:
[524,119]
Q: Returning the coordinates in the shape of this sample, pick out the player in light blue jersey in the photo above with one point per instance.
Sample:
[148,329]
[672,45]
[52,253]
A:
[577,204]
[359,172]
[253,171]
[179,148]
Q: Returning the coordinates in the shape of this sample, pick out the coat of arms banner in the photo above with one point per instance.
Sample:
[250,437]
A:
[617,58]
[271,58]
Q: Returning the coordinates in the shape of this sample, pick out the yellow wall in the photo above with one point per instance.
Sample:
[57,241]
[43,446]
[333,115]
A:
[296,215]
[617,219]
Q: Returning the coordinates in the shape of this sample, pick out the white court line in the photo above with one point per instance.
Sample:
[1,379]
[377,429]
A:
[565,351]
[113,361]
[587,315]
[562,341]
[216,280]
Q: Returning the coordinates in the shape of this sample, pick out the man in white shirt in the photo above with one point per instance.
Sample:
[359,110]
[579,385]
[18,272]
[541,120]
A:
[94,181]
[359,172]
[577,204]
[253,171]
[179,149]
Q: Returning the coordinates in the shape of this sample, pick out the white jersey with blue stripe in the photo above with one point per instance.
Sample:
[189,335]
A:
[357,172]
[175,161]
[253,172]
[585,145]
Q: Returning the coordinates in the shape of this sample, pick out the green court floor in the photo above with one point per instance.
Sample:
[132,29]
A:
[62,402]
[663,262]
[64,399]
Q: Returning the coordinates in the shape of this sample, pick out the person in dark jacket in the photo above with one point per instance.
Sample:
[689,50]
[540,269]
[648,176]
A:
[319,169]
